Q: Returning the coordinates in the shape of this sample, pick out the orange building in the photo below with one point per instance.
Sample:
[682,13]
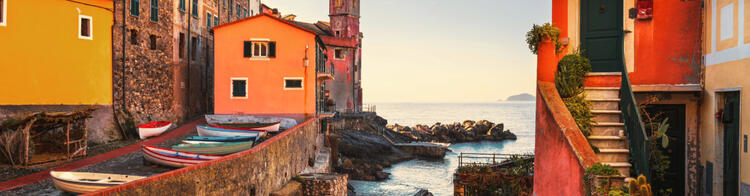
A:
[267,66]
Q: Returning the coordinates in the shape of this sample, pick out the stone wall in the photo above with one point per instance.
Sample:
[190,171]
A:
[324,184]
[258,171]
[101,127]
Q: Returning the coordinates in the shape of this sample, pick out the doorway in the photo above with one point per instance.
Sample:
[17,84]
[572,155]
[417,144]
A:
[674,175]
[601,34]
[730,121]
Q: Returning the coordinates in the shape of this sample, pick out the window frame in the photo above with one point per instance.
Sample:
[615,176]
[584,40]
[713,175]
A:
[137,5]
[302,83]
[239,10]
[183,6]
[260,42]
[194,6]
[91,27]
[209,16]
[231,87]
[216,20]
[343,54]
[154,13]
[4,15]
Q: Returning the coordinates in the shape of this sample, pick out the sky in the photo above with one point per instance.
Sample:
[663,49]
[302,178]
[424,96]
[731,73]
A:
[440,51]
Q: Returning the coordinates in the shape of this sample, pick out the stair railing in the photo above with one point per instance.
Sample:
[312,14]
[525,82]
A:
[634,128]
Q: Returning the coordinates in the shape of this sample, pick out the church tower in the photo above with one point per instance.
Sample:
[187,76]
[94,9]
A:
[344,18]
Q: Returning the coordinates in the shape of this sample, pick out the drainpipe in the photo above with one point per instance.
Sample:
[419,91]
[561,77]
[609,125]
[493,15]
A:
[190,54]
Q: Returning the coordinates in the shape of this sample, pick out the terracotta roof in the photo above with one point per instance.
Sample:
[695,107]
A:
[312,27]
[267,15]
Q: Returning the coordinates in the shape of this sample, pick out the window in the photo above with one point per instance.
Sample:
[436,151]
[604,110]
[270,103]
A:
[84,27]
[224,2]
[152,42]
[338,33]
[134,37]
[260,49]
[195,9]
[135,7]
[239,88]
[182,5]
[239,10]
[244,12]
[338,3]
[155,10]
[216,20]
[3,10]
[293,84]
[208,20]
[338,54]
[193,47]
[231,2]
[182,45]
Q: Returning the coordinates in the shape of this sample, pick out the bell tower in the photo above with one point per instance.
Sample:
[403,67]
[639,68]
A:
[344,18]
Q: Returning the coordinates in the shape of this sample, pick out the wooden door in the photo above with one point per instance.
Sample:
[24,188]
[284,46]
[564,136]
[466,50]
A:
[601,34]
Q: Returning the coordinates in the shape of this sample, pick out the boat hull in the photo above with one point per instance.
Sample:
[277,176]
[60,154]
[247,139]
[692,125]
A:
[272,127]
[206,131]
[145,131]
[72,181]
[222,139]
[214,149]
[174,158]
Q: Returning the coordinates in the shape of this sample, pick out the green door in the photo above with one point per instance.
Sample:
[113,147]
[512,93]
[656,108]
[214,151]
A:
[731,144]
[601,34]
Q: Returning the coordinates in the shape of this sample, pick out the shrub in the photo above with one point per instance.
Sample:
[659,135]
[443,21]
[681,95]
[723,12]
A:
[579,108]
[537,32]
[604,186]
[571,72]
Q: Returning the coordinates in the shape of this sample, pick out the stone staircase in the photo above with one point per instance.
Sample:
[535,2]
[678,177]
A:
[608,134]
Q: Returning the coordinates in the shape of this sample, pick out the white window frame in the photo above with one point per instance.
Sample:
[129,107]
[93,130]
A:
[4,22]
[294,78]
[231,87]
[343,53]
[252,49]
[91,27]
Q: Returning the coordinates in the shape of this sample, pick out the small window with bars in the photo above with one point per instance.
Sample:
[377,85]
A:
[293,84]
[239,88]
[84,27]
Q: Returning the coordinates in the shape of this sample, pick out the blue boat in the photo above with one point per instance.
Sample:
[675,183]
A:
[223,139]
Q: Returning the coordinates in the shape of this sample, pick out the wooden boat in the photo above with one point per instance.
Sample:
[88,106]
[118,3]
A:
[153,129]
[207,131]
[83,182]
[222,139]
[214,149]
[200,142]
[173,158]
[270,127]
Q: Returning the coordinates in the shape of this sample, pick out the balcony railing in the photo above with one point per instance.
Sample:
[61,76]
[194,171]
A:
[325,72]
[485,159]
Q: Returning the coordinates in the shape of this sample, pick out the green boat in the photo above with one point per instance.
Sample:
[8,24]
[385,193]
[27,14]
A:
[214,149]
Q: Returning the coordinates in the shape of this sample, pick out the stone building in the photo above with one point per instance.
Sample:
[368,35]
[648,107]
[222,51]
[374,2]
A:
[162,56]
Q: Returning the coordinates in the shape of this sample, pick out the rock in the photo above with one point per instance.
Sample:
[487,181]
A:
[509,135]
[423,192]
[497,128]
[467,123]
[382,175]
[481,127]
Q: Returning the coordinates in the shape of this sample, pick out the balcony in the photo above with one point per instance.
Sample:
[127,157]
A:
[325,72]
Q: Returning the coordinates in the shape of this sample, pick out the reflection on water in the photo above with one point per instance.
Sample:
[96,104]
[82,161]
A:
[437,175]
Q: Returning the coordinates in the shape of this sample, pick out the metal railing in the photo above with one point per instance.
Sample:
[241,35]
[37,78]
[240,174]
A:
[482,159]
[369,108]
[634,128]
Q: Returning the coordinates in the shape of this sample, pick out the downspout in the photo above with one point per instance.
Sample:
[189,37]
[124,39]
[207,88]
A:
[190,54]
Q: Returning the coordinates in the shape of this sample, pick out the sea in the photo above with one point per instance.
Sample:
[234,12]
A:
[436,176]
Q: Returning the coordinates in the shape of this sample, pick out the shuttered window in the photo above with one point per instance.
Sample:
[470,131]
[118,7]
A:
[135,7]
[216,20]
[239,87]
[155,10]
[195,9]
[259,49]
[208,20]
[231,7]
[182,5]
[239,10]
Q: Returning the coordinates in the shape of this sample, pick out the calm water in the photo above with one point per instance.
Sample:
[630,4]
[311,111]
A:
[437,175]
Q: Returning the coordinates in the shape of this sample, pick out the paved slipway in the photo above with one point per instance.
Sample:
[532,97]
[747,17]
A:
[126,160]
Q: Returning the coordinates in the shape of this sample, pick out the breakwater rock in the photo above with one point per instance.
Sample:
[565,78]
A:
[364,154]
[467,131]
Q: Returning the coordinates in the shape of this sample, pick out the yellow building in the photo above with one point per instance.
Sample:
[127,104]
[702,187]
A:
[725,108]
[56,55]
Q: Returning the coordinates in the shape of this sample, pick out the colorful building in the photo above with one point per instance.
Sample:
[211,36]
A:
[724,109]
[268,66]
[67,70]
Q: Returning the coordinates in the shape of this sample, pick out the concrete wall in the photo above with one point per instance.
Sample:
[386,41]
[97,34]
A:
[561,151]
[258,171]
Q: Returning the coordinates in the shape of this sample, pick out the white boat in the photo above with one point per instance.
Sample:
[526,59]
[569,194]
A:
[207,131]
[153,129]
[199,142]
[83,182]
[173,158]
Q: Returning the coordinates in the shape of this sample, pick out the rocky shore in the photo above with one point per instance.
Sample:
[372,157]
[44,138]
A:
[467,131]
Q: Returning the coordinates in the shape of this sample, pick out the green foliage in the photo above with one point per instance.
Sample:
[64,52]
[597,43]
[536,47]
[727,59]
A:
[580,109]
[571,72]
[659,160]
[538,32]
[603,187]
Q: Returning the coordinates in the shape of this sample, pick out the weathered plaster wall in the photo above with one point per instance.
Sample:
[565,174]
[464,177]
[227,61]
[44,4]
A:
[561,151]
[258,171]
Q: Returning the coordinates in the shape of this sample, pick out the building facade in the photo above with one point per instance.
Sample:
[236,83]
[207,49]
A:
[344,41]
[270,68]
[163,56]
[68,70]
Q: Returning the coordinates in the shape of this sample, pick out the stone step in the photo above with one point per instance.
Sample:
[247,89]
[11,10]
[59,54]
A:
[623,167]
[604,104]
[602,92]
[607,131]
[608,142]
[607,116]
[613,155]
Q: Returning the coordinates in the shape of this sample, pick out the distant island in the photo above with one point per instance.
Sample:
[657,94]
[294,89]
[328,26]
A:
[522,97]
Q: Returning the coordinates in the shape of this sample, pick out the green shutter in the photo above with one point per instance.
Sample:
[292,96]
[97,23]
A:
[155,10]
[182,5]
[195,9]
[272,49]
[248,49]
[135,7]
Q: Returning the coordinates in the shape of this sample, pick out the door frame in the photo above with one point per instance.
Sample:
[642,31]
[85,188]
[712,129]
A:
[685,151]
[719,97]
[621,32]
